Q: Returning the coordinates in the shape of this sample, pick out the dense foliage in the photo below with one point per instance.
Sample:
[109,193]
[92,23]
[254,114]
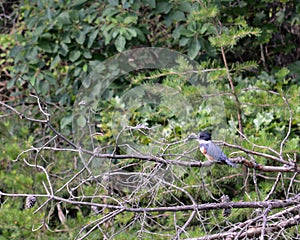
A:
[248,51]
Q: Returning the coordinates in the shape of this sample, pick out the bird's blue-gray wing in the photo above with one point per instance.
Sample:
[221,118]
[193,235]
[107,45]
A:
[215,152]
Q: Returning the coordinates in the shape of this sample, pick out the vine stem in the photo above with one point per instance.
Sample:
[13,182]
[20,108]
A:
[239,116]
[239,110]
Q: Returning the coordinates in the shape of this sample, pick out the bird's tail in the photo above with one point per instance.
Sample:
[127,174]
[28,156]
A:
[228,162]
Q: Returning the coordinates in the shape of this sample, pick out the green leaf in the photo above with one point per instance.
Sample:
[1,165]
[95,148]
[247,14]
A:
[80,37]
[177,32]
[194,48]
[74,55]
[186,6]
[32,53]
[115,32]
[282,73]
[77,71]
[163,7]
[11,83]
[85,67]
[113,2]
[81,121]
[66,121]
[151,3]
[15,51]
[66,39]
[45,46]
[87,54]
[86,82]
[205,27]
[212,29]
[92,38]
[78,3]
[55,61]
[48,75]
[174,16]
[39,30]
[280,17]
[183,41]
[132,32]
[120,43]
[64,18]
[178,16]
[44,87]
[295,69]
[130,20]
[64,49]
[186,32]
[33,81]
[263,118]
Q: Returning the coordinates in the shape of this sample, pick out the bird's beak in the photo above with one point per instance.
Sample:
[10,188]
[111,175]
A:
[192,136]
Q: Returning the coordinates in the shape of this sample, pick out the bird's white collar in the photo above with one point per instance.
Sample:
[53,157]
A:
[201,141]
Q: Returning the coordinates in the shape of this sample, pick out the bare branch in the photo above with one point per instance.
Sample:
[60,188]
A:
[21,115]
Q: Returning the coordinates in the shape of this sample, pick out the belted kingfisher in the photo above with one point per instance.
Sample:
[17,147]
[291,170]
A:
[211,151]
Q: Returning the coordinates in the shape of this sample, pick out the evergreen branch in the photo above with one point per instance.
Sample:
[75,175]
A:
[245,66]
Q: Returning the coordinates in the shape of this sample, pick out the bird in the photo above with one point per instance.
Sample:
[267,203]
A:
[211,151]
